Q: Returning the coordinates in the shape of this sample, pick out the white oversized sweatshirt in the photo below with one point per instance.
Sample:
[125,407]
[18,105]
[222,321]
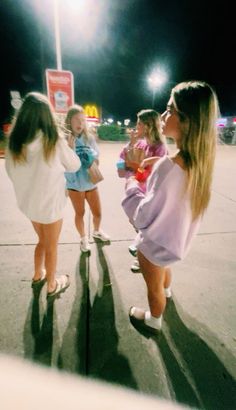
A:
[39,185]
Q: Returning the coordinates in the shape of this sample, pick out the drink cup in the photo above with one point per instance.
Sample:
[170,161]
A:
[120,165]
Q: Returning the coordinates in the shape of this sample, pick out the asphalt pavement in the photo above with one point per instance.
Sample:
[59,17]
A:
[87,331]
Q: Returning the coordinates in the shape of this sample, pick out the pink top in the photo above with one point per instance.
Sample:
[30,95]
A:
[163,214]
[151,150]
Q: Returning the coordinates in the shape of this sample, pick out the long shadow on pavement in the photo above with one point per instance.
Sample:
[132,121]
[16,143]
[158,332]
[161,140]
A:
[74,350]
[105,361]
[196,375]
[38,337]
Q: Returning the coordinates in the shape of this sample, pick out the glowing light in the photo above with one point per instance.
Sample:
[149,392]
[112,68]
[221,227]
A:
[221,122]
[157,79]
[85,24]
[92,113]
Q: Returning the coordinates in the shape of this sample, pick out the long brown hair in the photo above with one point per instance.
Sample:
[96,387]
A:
[197,105]
[152,120]
[35,114]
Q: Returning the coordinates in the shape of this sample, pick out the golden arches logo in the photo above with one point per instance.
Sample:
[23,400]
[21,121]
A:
[91,111]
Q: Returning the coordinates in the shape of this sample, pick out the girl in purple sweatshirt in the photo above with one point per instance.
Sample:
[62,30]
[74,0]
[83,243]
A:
[167,216]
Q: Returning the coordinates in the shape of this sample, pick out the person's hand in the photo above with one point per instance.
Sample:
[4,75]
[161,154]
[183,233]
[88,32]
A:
[132,165]
[133,135]
[148,162]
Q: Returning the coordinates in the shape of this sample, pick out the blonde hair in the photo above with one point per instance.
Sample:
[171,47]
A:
[152,120]
[73,110]
[197,106]
[35,114]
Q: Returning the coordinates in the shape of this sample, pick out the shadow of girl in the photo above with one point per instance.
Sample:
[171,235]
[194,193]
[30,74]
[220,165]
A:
[38,337]
[195,373]
[105,362]
[73,352]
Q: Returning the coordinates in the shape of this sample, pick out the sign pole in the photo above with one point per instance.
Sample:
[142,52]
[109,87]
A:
[57,35]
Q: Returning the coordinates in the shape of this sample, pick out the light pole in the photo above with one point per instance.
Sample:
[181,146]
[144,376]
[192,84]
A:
[156,80]
[57,35]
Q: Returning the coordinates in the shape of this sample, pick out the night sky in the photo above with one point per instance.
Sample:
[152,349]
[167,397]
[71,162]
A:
[189,39]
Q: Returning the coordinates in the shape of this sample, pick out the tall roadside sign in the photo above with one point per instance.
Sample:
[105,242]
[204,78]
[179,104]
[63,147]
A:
[60,89]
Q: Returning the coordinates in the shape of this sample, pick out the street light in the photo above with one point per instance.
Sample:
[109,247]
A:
[85,10]
[156,80]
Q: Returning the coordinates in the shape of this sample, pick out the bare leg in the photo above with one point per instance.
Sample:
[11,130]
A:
[154,277]
[167,280]
[39,253]
[93,200]
[48,236]
[78,202]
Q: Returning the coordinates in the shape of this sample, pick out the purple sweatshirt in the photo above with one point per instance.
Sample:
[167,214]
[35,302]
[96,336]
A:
[163,214]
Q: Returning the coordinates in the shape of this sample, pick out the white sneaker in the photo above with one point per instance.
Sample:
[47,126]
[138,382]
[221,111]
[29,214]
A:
[102,236]
[135,267]
[133,250]
[84,245]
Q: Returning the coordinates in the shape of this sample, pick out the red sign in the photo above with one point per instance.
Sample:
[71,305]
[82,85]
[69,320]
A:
[60,89]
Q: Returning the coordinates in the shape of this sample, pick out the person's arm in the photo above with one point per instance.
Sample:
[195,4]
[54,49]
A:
[149,162]
[68,157]
[140,207]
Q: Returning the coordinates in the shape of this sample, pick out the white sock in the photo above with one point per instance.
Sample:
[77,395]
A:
[168,293]
[152,321]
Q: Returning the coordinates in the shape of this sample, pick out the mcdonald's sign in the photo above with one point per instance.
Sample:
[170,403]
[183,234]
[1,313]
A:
[92,113]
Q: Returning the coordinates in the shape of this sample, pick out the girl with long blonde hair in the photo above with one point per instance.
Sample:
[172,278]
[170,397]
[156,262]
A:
[80,188]
[178,191]
[148,138]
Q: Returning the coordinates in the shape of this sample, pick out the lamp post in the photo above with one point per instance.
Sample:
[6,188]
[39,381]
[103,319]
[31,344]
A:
[57,35]
[155,81]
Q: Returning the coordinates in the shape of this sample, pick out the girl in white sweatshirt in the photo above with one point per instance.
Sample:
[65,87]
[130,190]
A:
[36,160]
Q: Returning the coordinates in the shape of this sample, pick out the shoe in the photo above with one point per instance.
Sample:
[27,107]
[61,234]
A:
[102,236]
[84,245]
[145,319]
[133,250]
[62,283]
[135,268]
[38,284]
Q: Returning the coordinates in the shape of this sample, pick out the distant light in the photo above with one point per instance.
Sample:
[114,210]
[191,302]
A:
[119,123]
[221,122]
[126,122]
[110,120]
[157,78]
